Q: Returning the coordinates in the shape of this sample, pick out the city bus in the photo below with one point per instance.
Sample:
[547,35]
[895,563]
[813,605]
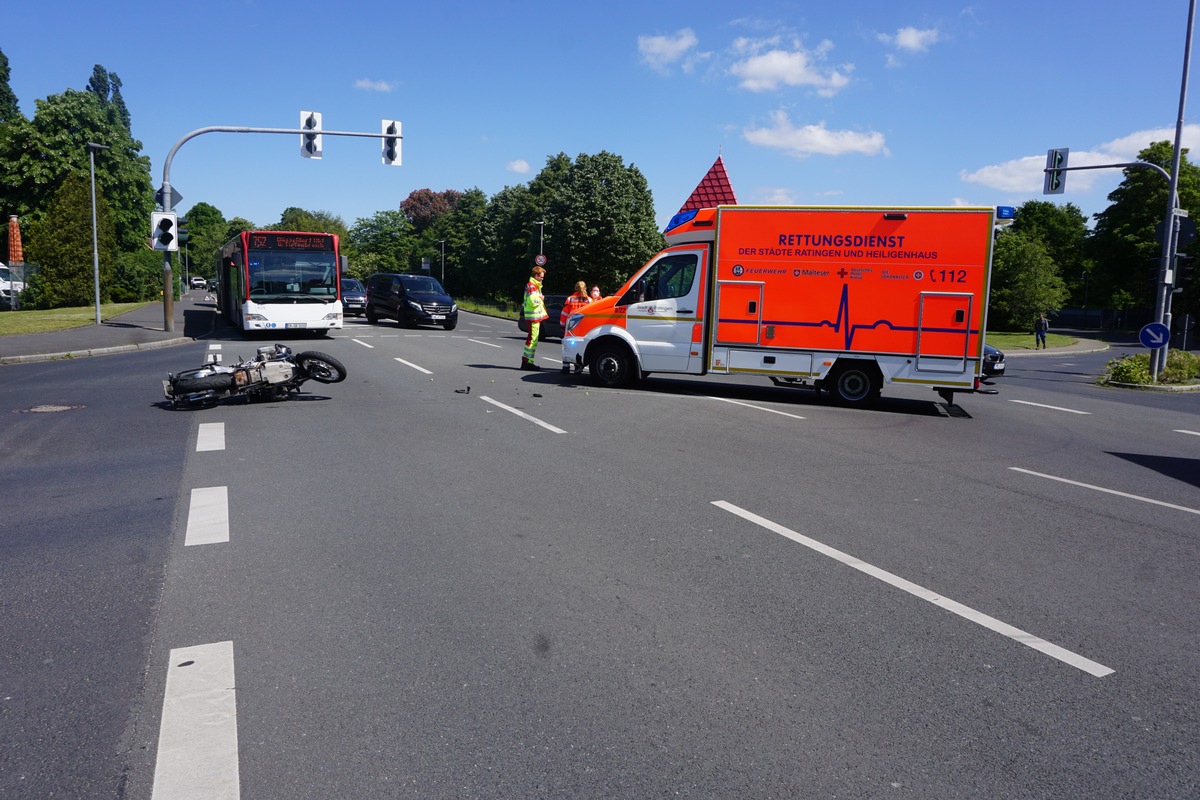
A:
[280,280]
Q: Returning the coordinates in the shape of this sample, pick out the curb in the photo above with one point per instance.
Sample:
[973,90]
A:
[96,351]
[1154,387]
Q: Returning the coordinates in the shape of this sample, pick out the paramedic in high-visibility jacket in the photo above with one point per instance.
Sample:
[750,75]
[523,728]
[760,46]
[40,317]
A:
[535,313]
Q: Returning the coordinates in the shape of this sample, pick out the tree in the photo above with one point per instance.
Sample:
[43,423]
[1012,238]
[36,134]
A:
[9,109]
[1025,281]
[600,224]
[497,258]
[206,227]
[37,155]
[1063,230]
[61,243]
[385,239]
[423,206]
[1123,244]
[298,219]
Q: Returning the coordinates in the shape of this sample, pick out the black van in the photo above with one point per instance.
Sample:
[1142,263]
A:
[411,300]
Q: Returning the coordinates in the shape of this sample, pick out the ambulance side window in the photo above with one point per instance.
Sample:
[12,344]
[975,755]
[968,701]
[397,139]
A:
[671,277]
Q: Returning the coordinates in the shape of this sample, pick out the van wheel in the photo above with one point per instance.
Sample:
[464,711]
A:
[857,386]
[612,366]
[371,318]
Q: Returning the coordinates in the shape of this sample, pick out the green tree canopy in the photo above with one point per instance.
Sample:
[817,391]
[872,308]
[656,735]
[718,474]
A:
[206,227]
[1025,281]
[1123,245]
[61,243]
[298,219]
[37,155]
[385,239]
[10,111]
[423,207]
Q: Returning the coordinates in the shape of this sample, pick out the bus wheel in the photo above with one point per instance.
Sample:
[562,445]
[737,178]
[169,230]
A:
[857,385]
[612,365]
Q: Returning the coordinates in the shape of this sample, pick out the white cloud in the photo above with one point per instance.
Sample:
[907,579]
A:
[373,86]
[520,166]
[909,40]
[774,196]
[1026,174]
[814,139]
[770,69]
[660,52]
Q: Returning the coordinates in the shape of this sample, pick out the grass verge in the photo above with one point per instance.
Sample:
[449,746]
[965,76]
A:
[53,319]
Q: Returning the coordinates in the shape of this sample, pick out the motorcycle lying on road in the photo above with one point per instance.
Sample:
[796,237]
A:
[273,374]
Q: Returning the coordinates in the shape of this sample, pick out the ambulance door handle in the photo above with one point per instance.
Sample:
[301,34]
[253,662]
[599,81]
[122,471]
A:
[686,311]
[750,309]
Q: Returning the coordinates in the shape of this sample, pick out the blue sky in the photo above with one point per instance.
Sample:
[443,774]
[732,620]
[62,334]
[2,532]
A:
[915,103]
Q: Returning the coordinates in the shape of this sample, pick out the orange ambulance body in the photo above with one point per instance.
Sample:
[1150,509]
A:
[846,299]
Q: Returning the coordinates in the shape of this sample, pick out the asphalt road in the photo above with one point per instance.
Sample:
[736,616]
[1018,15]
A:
[445,577]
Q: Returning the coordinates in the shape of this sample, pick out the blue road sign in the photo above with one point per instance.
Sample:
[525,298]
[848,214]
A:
[1154,335]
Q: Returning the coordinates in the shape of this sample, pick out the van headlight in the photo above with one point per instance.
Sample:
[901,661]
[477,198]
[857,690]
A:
[572,321]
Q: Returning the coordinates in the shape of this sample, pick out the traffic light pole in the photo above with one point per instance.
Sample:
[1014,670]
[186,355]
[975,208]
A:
[168,203]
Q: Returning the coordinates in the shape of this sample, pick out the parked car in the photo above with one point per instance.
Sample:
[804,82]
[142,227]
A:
[410,299]
[993,362]
[198,282]
[550,327]
[354,297]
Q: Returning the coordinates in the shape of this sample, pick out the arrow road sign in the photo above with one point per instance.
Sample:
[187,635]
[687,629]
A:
[1154,335]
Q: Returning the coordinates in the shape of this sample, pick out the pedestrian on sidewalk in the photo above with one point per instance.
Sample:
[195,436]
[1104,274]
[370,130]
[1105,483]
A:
[535,313]
[1040,326]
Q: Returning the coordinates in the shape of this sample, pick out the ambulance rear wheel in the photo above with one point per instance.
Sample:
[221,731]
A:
[612,366]
[857,386]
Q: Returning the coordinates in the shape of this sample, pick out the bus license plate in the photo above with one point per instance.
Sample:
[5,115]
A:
[296,325]
[437,316]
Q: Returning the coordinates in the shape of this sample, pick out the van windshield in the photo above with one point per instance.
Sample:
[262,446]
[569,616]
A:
[421,284]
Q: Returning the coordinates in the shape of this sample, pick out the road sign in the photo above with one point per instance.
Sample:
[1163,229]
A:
[540,260]
[1154,335]
[176,199]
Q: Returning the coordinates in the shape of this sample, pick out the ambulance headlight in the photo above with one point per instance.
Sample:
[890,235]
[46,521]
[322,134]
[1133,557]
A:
[572,321]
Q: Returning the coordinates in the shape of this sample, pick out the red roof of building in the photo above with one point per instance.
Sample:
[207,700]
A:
[714,190]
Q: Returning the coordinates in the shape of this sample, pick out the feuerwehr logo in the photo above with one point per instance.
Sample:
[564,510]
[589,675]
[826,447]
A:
[738,270]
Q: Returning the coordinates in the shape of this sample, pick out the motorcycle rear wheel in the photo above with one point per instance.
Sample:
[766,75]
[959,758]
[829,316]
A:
[190,384]
[320,367]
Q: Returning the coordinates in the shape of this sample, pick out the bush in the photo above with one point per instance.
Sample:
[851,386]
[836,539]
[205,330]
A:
[1181,367]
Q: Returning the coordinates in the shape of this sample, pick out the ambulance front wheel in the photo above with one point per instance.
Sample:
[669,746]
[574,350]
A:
[612,366]
[857,386]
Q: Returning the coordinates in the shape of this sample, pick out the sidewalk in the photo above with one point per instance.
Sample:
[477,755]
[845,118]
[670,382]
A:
[140,329]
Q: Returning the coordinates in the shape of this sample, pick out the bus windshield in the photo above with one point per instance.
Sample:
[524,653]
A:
[292,275]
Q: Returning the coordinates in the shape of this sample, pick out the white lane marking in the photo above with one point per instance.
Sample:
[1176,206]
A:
[1193,433]
[214,347]
[991,623]
[211,436]
[522,414]
[197,740]
[756,408]
[414,366]
[479,325]
[1052,408]
[208,516]
[1106,491]
[489,344]
[214,357]
[364,344]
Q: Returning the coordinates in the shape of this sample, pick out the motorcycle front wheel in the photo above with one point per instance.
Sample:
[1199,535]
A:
[320,367]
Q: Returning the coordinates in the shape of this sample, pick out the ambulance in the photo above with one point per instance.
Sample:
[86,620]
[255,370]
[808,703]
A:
[845,300]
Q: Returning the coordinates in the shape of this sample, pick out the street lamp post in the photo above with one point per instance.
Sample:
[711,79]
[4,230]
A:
[442,242]
[92,147]
[1085,316]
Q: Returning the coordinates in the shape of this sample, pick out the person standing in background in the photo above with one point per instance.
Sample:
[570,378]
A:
[535,312]
[576,301]
[1040,326]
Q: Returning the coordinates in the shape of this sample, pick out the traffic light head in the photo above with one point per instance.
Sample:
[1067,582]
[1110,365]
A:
[164,231]
[310,143]
[1185,268]
[1056,162]
[391,142]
